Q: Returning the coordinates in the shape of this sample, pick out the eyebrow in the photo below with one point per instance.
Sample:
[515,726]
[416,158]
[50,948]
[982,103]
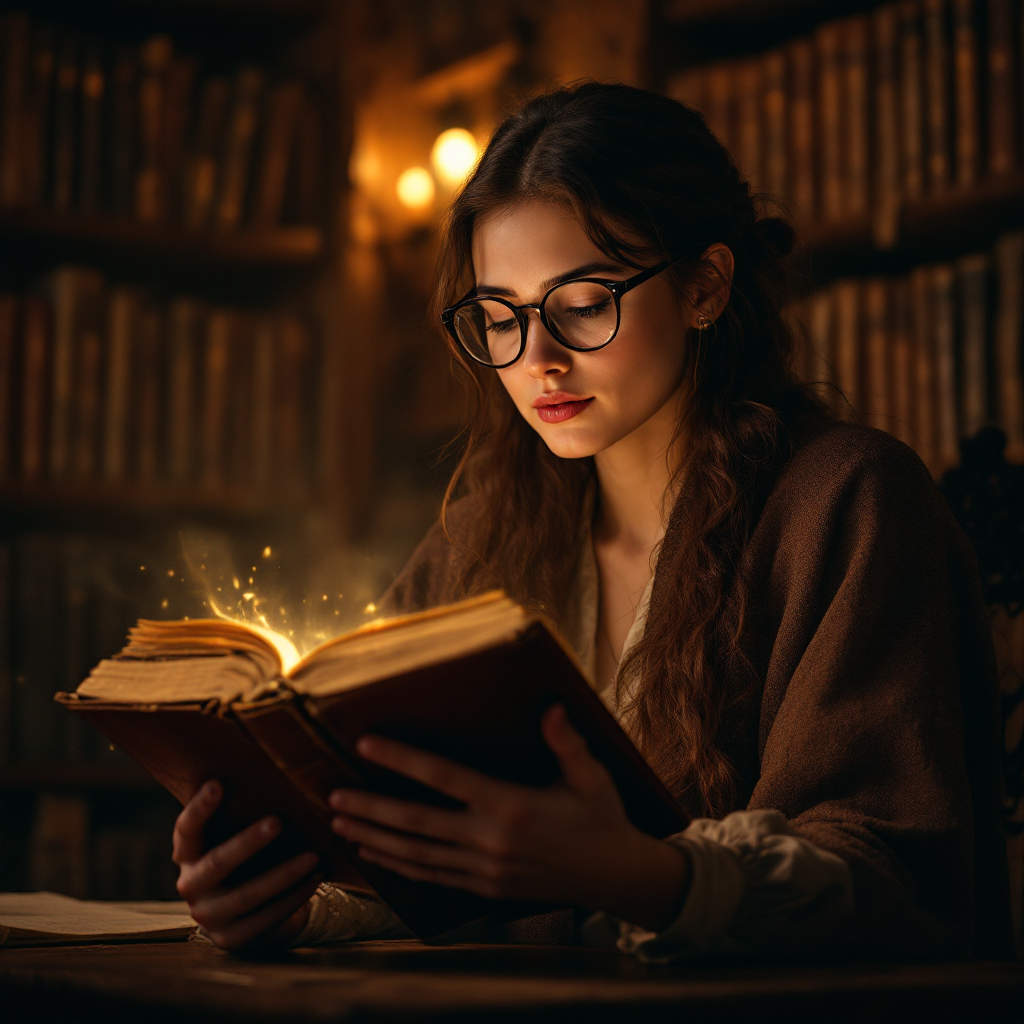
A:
[581,271]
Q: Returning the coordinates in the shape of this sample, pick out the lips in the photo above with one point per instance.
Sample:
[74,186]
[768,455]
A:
[558,406]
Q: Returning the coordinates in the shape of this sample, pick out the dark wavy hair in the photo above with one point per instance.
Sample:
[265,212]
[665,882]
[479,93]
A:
[647,181]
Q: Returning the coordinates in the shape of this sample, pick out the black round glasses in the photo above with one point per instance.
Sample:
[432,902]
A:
[582,314]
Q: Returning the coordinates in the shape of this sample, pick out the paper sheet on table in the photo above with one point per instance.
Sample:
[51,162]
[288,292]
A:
[50,919]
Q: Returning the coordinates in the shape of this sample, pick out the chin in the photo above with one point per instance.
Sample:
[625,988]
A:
[573,444]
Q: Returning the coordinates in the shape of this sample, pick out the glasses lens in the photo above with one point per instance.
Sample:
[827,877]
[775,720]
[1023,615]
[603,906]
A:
[489,331]
[582,314]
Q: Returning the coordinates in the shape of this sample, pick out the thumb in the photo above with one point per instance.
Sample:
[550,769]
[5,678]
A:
[580,770]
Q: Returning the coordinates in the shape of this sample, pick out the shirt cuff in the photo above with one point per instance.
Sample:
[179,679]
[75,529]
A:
[339,916]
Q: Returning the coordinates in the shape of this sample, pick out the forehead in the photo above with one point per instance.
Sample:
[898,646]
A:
[523,245]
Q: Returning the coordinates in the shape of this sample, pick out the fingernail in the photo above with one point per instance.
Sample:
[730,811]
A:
[211,790]
[338,799]
[270,826]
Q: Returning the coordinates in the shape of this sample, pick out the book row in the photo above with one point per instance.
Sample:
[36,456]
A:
[873,111]
[101,383]
[142,132]
[930,357]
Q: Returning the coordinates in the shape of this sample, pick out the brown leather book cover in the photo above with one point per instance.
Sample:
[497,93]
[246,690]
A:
[965,92]
[1002,139]
[936,92]
[830,121]
[911,125]
[802,166]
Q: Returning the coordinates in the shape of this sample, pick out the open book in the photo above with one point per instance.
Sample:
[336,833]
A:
[198,699]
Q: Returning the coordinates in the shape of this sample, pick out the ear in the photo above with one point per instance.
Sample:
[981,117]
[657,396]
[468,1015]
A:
[712,286]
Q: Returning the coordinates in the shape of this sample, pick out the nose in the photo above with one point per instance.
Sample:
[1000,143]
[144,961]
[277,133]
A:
[543,357]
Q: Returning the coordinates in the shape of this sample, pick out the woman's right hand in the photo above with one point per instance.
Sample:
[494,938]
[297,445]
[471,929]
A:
[271,909]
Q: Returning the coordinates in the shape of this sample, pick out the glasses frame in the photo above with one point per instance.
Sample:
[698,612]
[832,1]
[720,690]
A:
[617,288]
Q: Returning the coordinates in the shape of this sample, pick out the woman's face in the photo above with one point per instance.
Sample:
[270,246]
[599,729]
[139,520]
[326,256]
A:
[580,403]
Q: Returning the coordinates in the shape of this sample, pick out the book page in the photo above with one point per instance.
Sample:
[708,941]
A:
[48,918]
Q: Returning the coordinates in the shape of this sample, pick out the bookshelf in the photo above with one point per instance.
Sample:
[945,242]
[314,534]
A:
[172,234]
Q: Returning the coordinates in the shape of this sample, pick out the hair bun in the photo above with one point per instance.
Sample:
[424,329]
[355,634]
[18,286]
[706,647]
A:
[777,234]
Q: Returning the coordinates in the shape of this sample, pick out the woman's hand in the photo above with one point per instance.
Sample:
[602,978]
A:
[270,909]
[567,843]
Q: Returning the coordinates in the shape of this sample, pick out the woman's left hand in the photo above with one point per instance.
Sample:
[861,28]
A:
[570,843]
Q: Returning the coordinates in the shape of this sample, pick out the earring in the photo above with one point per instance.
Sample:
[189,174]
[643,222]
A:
[703,322]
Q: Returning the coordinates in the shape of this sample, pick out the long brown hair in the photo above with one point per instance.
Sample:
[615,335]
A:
[647,181]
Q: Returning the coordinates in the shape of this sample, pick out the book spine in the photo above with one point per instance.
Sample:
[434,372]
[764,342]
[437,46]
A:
[1001,114]
[237,153]
[886,206]
[719,112]
[901,333]
[123,133]
[688,88]
[309,163]
[1009,333]
[283,107]
[262,431]
[215,379]
[973,273]
[93,89]
[877,376]
[965,92]
[748,122]
[292,402]
[201,175]
[148,405]
[830,121]
[911,128]
[775,162]
[35,371]
[925,413]
[65,124]
[87,402]
[821,335]
[846,296]
[35,129]
[14,49]
[8,346]
[240,397]
[65,288]
[184,318]
[121,320]
[937,99]
[180,80]
[801,129]
[943,281]
[856,133]
[154,61]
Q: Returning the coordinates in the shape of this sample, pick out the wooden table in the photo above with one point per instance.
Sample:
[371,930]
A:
[406,981]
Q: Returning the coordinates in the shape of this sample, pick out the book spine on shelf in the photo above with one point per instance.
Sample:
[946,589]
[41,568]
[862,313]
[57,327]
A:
[973,274]
[88,382]
[236,157]
[148,393]
[925,394]
[154,61]
[283,107]
[911,124]
[215,381]
[240,397]
[122,313]
[886,185]
[1008,354]
[91,139]
[943,302]
[35,131]
[749,118]
[307,187]
[74,640]
[965,92]
[201,165]
[846,296]
[175,123]
[291,405]
[263,388]
[8,350]
[184,317]
[14,51]
[1002,137]
[34,381]
[821,335]
[937,94]
[123,135]
[775,162]
[719,111]
[856,133]
[65,124]
[801,129]
[686,87]
[830,121]
[877,373]
[903,369]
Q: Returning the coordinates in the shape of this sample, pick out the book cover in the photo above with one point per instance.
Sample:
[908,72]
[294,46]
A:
[1008,335]
[802,135]
[938,102]
[911,124]
[965,92]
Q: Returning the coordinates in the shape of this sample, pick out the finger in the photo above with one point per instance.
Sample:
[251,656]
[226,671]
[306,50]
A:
[420,851]
[439,876]
[420,819]
[222,907]
[246,930]
[580,770]
[456,780]
[188,828]
[212,868]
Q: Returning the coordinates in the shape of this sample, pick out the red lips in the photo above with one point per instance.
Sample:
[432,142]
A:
[557,406]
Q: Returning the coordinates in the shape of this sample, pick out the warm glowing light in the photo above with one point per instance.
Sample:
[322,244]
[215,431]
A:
[266,551]
[164,603]
[170,572]
[415,188]
[454,155]
[234,580]
[371,607]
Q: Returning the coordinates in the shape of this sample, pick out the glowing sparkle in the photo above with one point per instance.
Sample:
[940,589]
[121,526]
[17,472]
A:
[453,156]
[266,551]
[142,568]
[163,603]
[415,188]
[235,583]
[371,607]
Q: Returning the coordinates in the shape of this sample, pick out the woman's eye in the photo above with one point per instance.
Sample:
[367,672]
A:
[502,326]
[585,312]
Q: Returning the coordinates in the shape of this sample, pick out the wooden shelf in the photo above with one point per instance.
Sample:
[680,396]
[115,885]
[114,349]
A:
[75,775]
[106,240]
[934,229]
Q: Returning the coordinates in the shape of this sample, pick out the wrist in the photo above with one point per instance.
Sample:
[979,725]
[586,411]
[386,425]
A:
[653,883]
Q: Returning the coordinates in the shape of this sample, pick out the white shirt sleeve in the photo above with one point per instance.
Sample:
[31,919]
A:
[756,886]
[338,916]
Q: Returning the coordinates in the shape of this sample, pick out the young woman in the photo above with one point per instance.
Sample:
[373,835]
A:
[776,604]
